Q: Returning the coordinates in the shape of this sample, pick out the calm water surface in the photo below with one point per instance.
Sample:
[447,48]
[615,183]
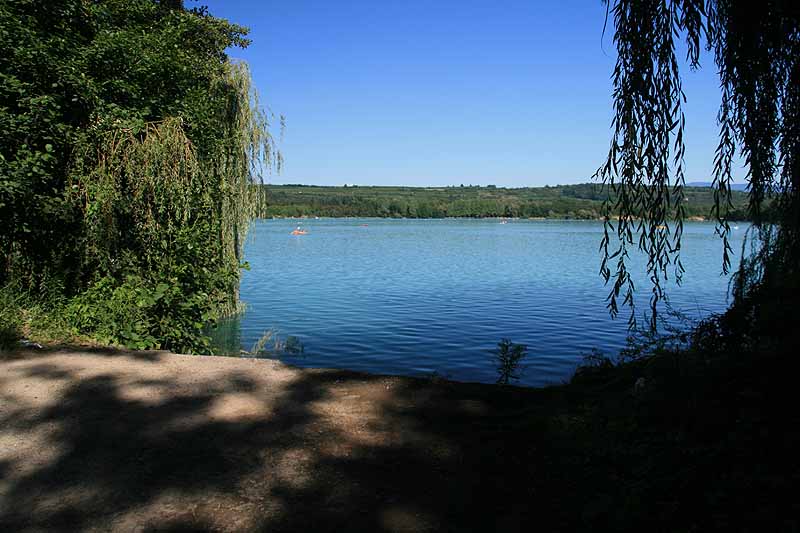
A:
[420,296]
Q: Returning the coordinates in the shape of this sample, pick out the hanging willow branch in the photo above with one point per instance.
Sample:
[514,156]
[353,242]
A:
[152,194]
[756,52]
[145,186]
[248,152]
[643,174]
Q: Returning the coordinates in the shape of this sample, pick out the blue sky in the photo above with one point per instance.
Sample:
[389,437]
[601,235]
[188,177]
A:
[443,92]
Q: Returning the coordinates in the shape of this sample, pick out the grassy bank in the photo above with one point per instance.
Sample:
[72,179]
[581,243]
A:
[583,201]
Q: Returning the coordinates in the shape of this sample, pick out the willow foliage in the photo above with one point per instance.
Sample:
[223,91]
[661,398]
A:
[160,213]
[150,185]
[756,47]
[143,189]
[133,153]
[248,149]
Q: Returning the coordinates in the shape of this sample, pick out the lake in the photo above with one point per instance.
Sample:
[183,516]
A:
[414,297]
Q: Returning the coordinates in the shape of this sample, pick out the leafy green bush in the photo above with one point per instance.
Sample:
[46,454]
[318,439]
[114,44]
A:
[140,314]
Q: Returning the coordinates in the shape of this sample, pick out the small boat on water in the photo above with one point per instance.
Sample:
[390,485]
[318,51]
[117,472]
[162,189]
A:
[299,231]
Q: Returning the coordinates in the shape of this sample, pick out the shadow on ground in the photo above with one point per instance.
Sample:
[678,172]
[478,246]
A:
[99,444]
[157,442]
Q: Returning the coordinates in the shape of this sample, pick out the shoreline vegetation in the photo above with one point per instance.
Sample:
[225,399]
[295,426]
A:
[567,202]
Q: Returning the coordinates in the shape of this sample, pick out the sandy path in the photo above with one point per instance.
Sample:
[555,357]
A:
[153,441]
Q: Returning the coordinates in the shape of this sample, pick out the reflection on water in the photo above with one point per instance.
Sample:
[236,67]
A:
[226,336]
[226,339]
[419,297]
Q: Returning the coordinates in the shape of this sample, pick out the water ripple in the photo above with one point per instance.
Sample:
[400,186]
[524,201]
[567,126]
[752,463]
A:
[420,296]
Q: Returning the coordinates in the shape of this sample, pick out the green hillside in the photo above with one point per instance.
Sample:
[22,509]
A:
[583,201]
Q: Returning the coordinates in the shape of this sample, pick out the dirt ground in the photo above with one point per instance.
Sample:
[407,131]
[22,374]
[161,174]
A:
[151,441]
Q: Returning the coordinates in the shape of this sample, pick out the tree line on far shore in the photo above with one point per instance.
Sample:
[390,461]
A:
[582,202]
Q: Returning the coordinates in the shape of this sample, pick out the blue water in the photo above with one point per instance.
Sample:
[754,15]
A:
[414,297]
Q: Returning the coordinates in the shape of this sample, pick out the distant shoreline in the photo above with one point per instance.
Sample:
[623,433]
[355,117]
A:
[537,219]
[562,202]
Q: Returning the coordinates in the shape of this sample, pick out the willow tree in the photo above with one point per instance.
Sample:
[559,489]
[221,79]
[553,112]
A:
[131,157]
[756,50]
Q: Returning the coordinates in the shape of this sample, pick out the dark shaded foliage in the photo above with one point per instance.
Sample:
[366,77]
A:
[507,357]
[756,49]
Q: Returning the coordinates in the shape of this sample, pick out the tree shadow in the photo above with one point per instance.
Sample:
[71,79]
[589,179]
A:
[318,450]
[25,353]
